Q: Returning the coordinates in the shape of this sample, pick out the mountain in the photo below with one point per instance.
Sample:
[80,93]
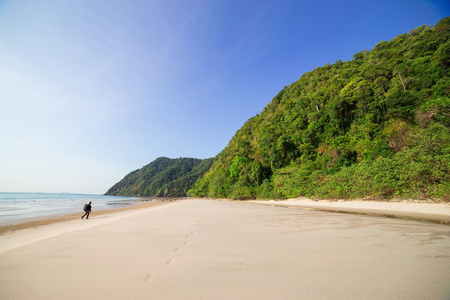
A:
[373,127]
[164,177]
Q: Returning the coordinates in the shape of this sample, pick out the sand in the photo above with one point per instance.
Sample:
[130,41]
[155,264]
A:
[204,249]
[34,222]
[410,210]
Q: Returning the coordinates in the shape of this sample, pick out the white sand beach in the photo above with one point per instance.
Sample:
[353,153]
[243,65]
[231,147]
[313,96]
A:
[414,210]
[205,249]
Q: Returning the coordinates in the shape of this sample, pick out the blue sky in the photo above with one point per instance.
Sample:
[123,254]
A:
[91,90]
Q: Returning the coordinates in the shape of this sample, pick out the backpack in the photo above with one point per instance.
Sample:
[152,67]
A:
[85,207]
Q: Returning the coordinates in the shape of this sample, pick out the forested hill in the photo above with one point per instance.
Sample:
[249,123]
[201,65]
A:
[164,177]
[373,127]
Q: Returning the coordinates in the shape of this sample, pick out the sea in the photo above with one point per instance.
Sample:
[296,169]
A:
[20,207]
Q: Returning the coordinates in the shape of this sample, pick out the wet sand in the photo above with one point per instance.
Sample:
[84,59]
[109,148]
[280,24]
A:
[42,221]
[408,210]
[203,249]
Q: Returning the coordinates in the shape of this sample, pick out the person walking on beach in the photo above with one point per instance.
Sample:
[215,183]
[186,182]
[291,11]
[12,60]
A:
[87,209]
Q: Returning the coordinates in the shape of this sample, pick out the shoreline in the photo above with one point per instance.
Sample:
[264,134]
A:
[59,218]
[407,210]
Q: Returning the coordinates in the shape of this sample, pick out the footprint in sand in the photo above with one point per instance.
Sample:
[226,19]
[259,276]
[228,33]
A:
[169,261]
[239,266]
[176,250]
[147,278]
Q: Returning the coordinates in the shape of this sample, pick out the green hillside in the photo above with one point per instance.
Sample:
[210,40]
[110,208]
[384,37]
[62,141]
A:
[373,127]
[164,177]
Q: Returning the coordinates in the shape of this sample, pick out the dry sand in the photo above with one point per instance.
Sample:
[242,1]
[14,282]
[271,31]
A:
[202,249]
[411,210]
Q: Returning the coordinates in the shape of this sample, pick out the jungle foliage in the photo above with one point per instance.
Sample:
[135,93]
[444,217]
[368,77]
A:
[377,126]
[164,177]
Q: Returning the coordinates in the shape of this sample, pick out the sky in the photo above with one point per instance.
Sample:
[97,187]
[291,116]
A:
[91,90]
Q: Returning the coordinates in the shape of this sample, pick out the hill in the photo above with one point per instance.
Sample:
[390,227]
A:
[164,177]
[373,127]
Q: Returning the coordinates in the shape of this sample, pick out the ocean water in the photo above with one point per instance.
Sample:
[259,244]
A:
[19,207]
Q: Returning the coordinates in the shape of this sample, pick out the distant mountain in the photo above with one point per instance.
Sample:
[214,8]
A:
[377,126]
[164,177]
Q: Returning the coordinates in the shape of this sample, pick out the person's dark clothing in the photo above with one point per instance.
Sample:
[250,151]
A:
[88,211]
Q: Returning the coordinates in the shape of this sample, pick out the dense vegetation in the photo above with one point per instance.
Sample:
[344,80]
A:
[164,177]
[373,127]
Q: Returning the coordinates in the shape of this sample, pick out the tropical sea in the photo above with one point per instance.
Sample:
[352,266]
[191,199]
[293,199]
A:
[19,207]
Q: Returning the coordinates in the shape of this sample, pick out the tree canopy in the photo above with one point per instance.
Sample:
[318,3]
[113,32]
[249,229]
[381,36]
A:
[164,177]
[377,126]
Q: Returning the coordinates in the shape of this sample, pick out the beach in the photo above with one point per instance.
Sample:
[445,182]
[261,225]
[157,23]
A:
[207,249]
[57,218]
[437,212]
